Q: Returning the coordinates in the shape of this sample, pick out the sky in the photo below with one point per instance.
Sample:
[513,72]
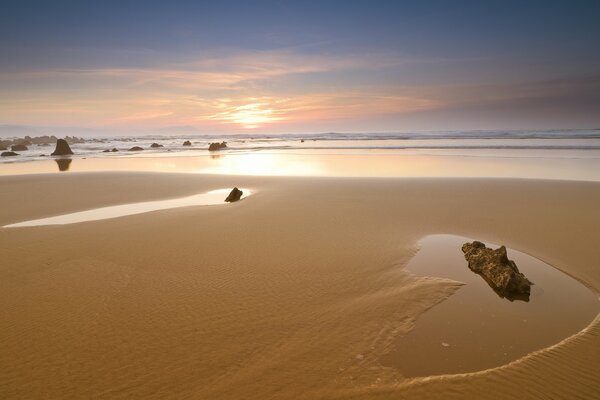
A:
[225,66]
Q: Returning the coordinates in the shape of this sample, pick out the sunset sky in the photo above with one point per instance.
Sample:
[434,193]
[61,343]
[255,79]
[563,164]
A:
[303,66]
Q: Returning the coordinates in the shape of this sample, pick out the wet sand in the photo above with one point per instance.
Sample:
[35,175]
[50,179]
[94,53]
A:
[295,292]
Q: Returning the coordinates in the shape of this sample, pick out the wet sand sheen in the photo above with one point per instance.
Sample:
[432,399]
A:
[475,328]
[295,294]
[204,199]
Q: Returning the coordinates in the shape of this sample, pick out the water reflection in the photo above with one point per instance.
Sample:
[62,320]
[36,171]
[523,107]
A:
[374,164]
[473,329]
[209,198]
[63,164]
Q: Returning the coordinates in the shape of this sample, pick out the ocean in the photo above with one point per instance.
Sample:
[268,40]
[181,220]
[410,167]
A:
[549,154]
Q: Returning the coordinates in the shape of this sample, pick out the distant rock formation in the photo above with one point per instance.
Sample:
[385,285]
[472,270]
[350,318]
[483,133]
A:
[499,272]
[62,148]
[114,150]
[136,148]
[301,140]
[156,145]
[8,154]
[217,146]
[187,143]
[74,139]
[234,195]
[18,147]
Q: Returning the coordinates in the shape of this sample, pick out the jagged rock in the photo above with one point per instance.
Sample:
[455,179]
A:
[8,154]
[155,145]
[114,150]
[494,266]
[217,146]
[18,147]
[234,195]
[136,148]
[62,148]
[187,143]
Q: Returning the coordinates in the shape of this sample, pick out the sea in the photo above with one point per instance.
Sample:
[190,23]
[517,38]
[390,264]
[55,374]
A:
[542,154]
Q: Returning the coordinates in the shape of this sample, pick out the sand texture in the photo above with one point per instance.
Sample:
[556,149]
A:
[293,293]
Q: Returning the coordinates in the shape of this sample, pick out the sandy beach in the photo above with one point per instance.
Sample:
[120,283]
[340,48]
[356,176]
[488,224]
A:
[295,292]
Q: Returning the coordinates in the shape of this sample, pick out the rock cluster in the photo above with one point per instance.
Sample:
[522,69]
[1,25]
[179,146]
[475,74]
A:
[217,146]
[494,266]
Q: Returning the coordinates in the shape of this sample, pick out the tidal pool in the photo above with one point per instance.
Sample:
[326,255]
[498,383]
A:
[475,328]
[209,198]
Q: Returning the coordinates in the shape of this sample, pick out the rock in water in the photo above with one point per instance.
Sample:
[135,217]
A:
[18,147]
[217,146]
[187,143]
[156,145]
[494,266]
[62,148]
[8,154]
[234,195]
[136,148]
[114,150]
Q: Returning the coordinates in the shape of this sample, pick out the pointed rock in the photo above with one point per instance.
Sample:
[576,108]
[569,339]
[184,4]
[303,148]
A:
[234,195]
[62,148]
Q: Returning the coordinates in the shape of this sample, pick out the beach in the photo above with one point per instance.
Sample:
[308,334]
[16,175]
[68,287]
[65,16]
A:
[297,291]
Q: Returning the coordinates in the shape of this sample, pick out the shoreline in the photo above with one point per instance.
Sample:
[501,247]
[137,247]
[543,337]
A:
[380,163]
[356,233]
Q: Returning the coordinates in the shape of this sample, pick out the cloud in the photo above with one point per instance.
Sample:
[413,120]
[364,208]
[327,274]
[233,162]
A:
[232,88]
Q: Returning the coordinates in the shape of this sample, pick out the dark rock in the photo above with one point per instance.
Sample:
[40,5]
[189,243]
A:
[234,195]
[62,148]
[301,140]
[155,145]
[18,147]
[74,139]
[114,150]
[499,272]
[8,154]
[136,148]
[217,146]
[187,143]
[106,151]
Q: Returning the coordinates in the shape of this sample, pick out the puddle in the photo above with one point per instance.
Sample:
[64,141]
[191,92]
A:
[475,328]
[210,198]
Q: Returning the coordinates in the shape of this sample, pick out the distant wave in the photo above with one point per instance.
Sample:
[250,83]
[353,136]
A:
[585,142]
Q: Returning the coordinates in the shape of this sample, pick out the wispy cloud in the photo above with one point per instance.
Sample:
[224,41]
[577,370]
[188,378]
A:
[231,89]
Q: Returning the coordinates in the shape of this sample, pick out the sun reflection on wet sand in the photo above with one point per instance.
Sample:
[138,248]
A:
[373,164]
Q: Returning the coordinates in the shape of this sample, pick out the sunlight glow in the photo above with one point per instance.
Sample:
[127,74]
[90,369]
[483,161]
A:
[249,116]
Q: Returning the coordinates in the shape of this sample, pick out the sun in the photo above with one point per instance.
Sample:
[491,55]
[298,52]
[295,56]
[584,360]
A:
[249,116]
